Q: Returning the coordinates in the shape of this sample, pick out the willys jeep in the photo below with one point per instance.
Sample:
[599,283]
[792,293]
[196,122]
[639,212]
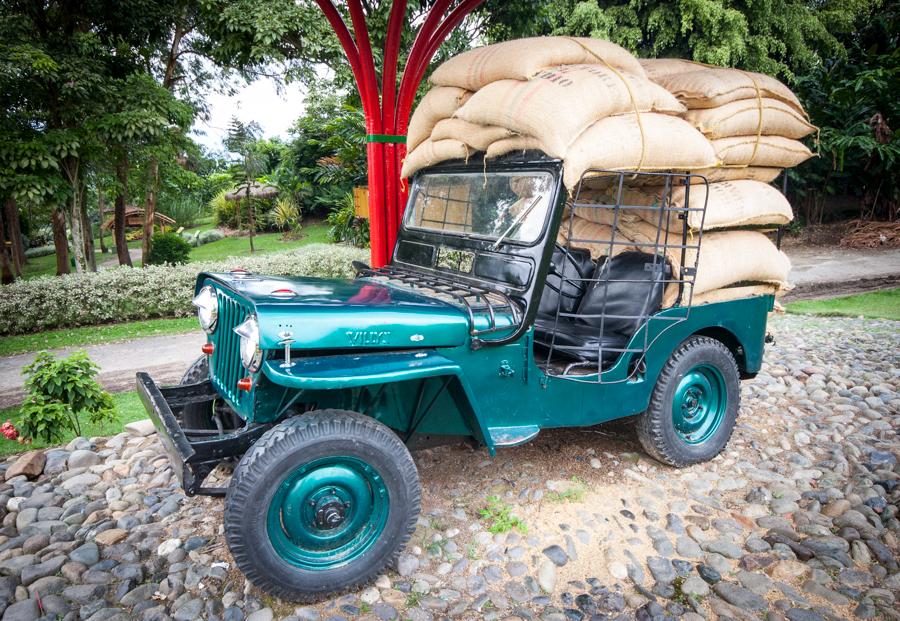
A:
[484,327]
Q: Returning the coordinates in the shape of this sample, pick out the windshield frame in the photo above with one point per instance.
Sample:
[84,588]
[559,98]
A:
[451,169]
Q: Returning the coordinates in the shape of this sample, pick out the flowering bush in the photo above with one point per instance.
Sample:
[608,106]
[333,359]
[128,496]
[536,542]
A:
[128,294]
[9,430]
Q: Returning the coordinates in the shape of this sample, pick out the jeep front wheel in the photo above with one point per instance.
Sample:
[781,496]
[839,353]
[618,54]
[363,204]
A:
[694,406]
[323,502]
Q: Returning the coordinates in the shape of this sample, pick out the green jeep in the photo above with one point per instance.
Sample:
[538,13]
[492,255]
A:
[484,328]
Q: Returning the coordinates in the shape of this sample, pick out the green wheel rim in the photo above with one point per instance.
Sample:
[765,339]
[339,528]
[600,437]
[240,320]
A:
[327,513]
[699,404]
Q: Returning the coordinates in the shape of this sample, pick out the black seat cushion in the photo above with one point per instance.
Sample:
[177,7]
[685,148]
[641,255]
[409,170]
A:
[625,290]
[566,281]
[578,341]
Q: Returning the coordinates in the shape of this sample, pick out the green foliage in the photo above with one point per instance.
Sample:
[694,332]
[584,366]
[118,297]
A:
[125,294]
[500,517]
[286,217]
[345,226]
[853,100]
[779,37]
[39,251]
[169,249]
[60,392]
[185,210]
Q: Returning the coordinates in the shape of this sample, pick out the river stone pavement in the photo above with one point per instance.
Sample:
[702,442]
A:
[796,520]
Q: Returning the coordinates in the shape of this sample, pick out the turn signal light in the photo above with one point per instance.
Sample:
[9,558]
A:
[245,383]
[208,349]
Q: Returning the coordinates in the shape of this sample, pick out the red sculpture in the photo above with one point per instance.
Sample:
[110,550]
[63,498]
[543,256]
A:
[387,111]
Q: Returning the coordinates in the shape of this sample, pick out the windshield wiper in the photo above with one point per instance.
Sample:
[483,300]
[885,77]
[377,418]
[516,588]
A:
[516,223]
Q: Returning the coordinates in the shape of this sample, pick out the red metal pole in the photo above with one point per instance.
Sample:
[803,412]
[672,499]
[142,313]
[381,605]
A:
[375,150]
[393,207]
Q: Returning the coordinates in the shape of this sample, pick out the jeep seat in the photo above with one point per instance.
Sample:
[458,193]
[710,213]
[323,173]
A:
[623,292]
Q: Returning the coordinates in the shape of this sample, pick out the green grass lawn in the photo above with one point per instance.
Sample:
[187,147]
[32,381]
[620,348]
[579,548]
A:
[128,409]
[94,335]
[874,305]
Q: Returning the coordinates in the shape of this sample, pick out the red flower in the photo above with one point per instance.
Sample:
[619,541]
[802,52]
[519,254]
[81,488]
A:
[8,430]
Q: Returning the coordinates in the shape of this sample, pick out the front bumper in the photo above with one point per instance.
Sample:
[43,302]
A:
[194,453]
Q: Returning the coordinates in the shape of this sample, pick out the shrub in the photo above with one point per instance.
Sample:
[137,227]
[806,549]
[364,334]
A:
[225,212]
[213,235]
[285,216]
[60,391]
[345,226]
[185,210]
[40,251]
[128,294]
[169,249]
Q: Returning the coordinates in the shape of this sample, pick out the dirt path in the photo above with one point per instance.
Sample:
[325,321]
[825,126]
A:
[825,271]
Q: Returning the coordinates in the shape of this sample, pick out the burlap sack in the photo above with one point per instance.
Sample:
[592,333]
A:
[767,151]
[729,257]
[558,104]
[522,59]
[479,137]
[729,205]
[742,118]
[515,143]
[438,103]
[718,174]
[711,87]
[429,153]
[658,142]
[732,293]
[658,67]
[592,236]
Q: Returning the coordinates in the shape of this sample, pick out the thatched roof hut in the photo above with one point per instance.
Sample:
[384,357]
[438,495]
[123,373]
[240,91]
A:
[134,219]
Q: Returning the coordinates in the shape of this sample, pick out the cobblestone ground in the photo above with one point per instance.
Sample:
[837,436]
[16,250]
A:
[796,520]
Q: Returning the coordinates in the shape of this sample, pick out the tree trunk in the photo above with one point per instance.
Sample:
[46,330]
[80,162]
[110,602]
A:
[6,270]
[60,242]
[252,219]
[150,211]
[119,222]
[90,254]
[17,248]
[82,236]
[101,206]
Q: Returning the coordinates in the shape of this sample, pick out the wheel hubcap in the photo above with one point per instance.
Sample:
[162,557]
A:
[699,404]
[328,512]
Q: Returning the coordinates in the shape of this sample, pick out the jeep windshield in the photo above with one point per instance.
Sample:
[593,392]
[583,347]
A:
[500,206]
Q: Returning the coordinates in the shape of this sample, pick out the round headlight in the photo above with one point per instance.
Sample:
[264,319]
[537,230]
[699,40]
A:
[207,303]
[251,354]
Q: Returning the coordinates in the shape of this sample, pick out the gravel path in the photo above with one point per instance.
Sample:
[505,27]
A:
[796,520]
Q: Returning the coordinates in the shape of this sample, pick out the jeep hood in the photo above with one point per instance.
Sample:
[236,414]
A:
[341,314]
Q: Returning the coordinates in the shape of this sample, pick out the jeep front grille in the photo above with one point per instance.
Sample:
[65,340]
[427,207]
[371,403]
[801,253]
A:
[226,361]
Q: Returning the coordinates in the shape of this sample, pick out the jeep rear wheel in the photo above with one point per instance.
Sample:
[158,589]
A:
[694,406]
[323,502]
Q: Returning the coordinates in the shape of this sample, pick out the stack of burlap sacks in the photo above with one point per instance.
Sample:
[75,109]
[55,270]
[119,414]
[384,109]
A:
[593,105]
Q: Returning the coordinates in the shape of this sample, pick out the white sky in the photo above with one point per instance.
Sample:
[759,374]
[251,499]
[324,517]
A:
[258,101]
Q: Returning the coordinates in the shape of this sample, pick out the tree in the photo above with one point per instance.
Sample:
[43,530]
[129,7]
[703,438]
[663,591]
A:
[778,37]
[241,140]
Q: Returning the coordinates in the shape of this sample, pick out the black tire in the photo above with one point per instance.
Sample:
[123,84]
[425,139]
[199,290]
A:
[275,457]
[656,428]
